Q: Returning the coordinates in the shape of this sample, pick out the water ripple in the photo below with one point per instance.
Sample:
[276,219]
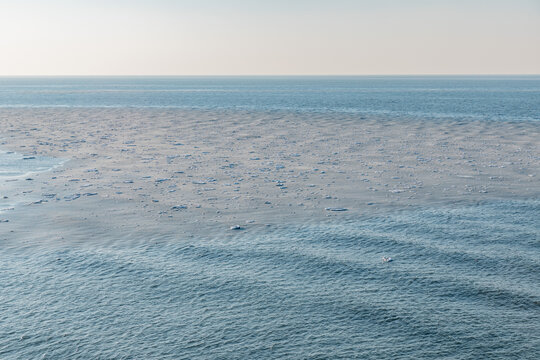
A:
[463,285]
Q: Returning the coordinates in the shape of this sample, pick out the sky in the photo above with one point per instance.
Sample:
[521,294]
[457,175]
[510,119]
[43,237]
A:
[277,37]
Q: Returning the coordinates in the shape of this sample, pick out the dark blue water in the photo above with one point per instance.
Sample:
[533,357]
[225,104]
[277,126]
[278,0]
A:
[479,97]
[463,285]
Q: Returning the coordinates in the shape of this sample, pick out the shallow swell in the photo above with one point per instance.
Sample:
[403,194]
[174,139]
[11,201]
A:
[463,284]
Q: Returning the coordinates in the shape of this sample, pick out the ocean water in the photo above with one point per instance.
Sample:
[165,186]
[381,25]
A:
[463,285]
[508,98]
[16,168]
[14,165]
[464,282]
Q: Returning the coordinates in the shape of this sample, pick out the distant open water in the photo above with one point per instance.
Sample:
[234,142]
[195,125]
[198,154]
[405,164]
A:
[508,98]
[464,283]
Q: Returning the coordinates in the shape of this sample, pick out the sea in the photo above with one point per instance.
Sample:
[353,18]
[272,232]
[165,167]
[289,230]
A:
[466,97]
[463,283]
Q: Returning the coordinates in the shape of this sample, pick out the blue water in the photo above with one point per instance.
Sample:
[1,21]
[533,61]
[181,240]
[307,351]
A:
[13,165]
[463,285]
[510,98]
[16,168]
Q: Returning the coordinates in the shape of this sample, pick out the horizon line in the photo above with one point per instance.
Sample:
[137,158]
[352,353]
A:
[265,75]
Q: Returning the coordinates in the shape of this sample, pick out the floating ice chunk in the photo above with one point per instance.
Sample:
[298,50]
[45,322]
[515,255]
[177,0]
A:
[72,197]
[229,166]
[170,158]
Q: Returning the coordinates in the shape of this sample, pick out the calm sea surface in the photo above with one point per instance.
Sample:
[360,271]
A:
[480,97]
[464,283]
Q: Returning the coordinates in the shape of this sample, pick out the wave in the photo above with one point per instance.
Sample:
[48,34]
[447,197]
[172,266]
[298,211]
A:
[460,273]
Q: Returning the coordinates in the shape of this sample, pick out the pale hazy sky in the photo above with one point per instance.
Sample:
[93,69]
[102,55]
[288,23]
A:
[241,37]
